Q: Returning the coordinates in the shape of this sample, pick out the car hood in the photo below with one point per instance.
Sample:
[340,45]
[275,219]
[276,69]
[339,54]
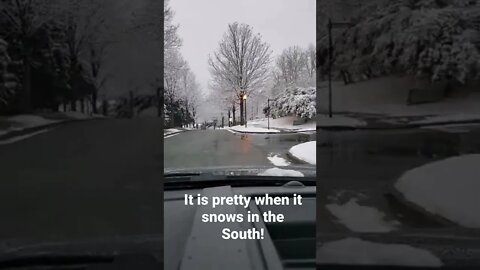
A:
[308,171]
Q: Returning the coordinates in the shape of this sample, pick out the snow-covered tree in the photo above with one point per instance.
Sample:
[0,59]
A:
[7,79]
[171,39]
[294,101]
[241,62]
[433,39]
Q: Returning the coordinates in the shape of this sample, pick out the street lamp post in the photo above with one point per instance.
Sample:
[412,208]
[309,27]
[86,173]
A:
[268,114]
[245,103]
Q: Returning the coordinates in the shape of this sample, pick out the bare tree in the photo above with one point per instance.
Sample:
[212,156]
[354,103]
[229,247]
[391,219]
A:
[311,61]
[291,63]
[171,39]
[84,23]
[241,61]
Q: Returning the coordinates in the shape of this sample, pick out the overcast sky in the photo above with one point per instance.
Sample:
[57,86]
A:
[282,23]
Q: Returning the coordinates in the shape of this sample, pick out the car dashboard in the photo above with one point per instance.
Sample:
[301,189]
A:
[190,243]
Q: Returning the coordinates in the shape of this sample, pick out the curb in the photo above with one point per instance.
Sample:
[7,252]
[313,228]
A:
[26,131]
[398,197]
[397,127]
[173,133]
[260,133]
[297,160]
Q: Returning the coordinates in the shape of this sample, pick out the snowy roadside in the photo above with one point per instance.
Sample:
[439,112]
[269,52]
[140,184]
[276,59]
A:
[20,125]
[252,129]
[447,188]
[170,132]
[383,103]
[285,124]
[306,152]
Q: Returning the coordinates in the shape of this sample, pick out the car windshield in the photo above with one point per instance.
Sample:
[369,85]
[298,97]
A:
[226,109]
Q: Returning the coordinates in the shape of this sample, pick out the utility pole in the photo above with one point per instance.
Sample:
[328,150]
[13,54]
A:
[329,26]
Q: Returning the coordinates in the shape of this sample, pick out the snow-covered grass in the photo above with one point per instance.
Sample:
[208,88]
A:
[305,151]
[23,137]
[170,131]
[281,172]
[356,251]
[278,161]
[253,129]
[338,120]
[283,123]
[388,96]
[27,121]
[361,218]
[448,188]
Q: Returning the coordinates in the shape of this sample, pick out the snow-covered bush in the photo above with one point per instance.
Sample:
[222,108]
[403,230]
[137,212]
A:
[436,39]
[294,101]
[7,80]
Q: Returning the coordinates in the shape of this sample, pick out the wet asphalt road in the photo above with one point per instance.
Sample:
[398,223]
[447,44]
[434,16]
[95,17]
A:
[98,178]
[364,165]
[211,148]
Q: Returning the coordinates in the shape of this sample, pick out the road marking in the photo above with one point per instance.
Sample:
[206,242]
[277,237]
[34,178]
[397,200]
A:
[23,137]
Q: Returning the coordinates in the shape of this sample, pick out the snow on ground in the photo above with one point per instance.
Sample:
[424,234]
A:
[448,188]
[169,131]
[305,151]
[360,252]
[23,137]
[278,161]
[283,123]
[170,135]
[388,96]
[338,120]
[281,172]
[27,121]
[361,218]
[253,129]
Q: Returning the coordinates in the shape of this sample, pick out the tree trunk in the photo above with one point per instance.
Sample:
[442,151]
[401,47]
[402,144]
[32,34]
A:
[241,112]
[64,106]
[73,105]
[233,112]
[82,105]
[94,102]
[229,118]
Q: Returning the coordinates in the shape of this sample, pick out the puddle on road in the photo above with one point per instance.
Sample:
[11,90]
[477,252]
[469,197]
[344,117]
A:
[277,144]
